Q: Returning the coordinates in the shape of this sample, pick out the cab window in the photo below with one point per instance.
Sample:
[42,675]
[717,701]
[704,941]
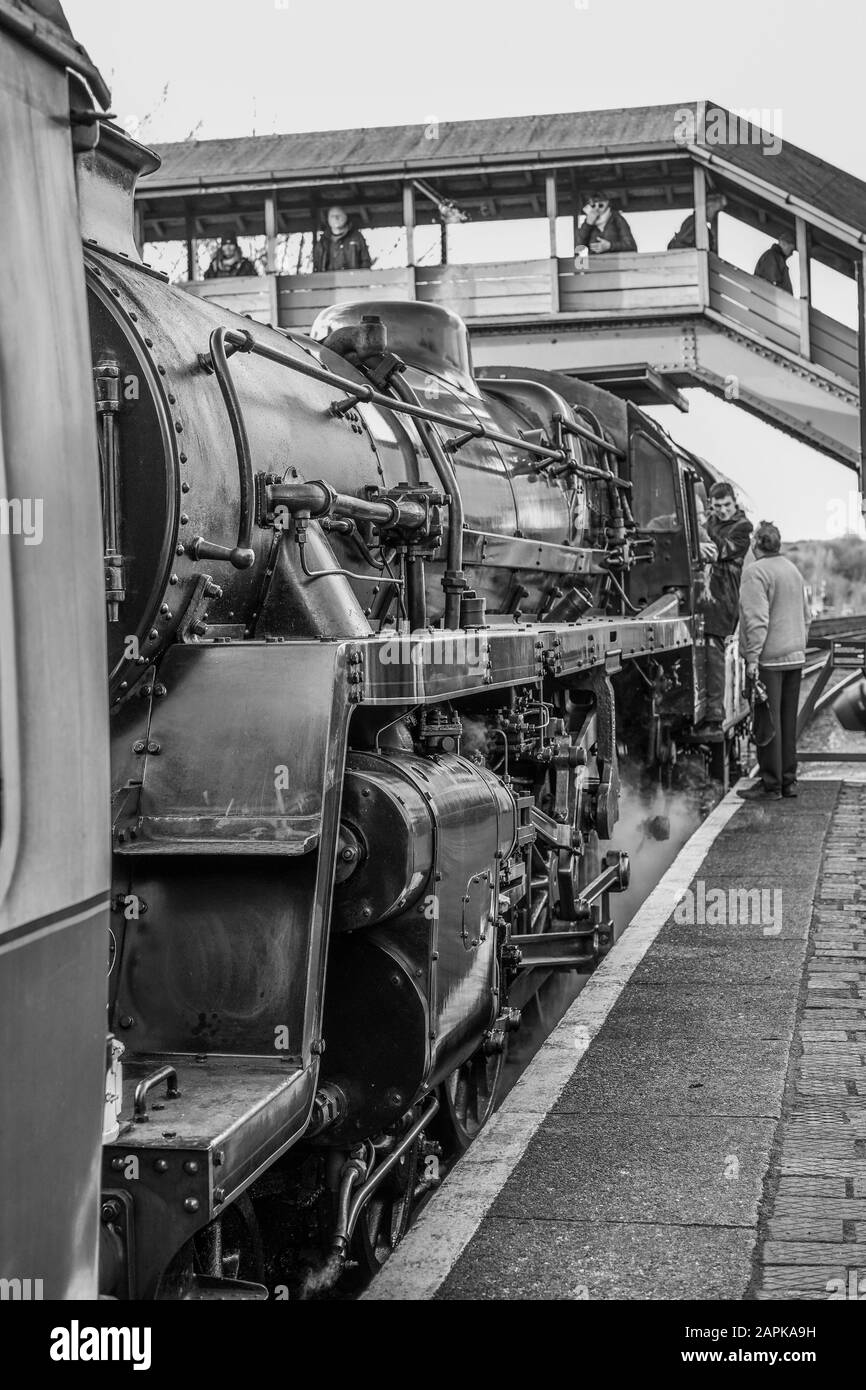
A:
[654,501]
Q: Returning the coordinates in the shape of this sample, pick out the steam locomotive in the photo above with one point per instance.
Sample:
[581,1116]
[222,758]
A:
[379,630]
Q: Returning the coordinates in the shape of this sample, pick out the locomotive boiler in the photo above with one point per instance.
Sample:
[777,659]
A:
[379,632]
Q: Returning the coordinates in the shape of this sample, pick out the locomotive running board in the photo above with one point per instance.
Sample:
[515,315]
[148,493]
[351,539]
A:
[430,665]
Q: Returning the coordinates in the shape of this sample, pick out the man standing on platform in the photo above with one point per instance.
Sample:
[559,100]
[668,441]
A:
[774,621]
[730,531]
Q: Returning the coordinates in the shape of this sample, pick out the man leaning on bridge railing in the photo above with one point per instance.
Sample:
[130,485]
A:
[604,229]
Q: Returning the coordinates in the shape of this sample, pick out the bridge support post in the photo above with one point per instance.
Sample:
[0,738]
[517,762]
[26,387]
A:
[861,362]
[702,237]
[191,250]
[551,209]
[409,221]
[271,233]
[805,287]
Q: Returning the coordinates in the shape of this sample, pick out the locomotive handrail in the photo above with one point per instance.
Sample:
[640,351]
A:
[242,555]
[582,432]
[244,342]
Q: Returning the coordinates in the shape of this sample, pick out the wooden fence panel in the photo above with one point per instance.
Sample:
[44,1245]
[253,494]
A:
[630,281]
[487,290]
[834,346]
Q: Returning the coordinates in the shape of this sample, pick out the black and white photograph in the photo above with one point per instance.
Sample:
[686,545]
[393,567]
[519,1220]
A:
[432,676]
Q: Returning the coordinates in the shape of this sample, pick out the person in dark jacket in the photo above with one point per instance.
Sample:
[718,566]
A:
[228,260]
[604,229]
[341,246]
[772,266]
[730,531]
[685,237]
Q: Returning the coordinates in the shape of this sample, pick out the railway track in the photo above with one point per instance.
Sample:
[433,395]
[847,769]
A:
[823,630]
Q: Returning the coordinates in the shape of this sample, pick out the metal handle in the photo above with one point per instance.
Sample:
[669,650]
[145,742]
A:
[167,1074]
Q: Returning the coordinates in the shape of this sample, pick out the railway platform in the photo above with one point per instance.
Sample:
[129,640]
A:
[695,1127]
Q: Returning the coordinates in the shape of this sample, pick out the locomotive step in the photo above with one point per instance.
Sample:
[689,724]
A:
[229,1117]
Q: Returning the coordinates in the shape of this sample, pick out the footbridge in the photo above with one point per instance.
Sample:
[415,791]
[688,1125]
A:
[644,323]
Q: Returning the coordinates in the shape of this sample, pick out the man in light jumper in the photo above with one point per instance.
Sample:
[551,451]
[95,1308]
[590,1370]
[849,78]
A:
[774,621]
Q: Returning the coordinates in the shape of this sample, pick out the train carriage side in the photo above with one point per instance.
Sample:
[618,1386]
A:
[54,834]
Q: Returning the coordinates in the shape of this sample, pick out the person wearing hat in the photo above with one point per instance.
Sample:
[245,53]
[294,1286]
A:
[603,229]
[229,260]
[774,621]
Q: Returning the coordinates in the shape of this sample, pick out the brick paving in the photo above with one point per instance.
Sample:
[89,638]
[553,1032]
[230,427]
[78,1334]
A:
[812,1229]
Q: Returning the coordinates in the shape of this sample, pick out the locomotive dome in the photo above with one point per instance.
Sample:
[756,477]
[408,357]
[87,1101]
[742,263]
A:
[428,336]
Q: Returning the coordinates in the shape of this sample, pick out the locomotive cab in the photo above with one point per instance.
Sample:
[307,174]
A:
[662,503]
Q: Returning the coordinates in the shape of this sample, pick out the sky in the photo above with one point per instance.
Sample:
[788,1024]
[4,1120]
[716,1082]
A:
[191,68]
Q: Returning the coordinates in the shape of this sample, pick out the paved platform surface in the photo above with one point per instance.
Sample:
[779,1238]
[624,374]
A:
[696,1125]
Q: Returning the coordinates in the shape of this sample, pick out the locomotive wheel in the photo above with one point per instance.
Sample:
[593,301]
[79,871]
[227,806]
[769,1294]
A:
[241,1254]
[382,1222]
[468,1098]
[230,1247]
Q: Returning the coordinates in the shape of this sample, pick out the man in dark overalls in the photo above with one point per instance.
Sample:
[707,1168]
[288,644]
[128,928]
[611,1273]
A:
[730,530]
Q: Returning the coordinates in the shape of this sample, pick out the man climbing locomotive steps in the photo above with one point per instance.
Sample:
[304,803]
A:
[728,536]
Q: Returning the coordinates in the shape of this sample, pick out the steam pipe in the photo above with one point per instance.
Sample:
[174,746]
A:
[319,499]
[242,555]
[454,580]
[363,1195]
